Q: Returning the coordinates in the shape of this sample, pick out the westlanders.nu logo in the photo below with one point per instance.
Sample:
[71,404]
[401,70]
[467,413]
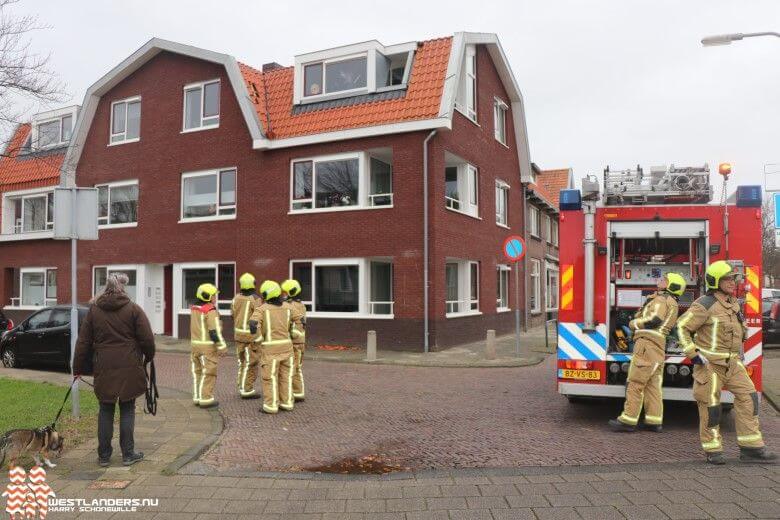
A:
[35,499]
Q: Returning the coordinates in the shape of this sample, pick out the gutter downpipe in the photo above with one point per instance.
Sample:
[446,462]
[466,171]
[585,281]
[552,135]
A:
[426,324]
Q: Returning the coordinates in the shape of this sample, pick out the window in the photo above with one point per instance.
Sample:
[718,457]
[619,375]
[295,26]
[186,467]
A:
[209,195]
[461,186]
[462,287]
[499,120]
[56,132]
[40,320]
[533,221]
[547,227]
[38,287]
[126,120]
[118,204]
[502,288]
[341,287]
[554,232]
[201,105]
[502,201]
[221,275]
[467,94]
[337,75]
[356,180]
[551,288]
[29,213]
[100,275]
[535,296]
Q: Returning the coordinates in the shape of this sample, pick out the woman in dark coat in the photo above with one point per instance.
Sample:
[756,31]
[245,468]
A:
[117,336]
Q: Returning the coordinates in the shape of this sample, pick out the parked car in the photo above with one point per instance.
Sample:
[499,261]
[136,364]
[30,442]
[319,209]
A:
[6,324]
[43,338]
[771,320]
[767,292]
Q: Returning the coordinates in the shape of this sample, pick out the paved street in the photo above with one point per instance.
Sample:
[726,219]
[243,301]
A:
[400,418]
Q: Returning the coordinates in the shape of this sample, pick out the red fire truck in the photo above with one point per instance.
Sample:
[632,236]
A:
[615,245]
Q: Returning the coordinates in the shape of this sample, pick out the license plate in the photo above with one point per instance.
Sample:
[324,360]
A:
[590,375]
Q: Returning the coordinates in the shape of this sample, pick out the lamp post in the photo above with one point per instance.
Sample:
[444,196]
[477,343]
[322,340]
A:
[726,39]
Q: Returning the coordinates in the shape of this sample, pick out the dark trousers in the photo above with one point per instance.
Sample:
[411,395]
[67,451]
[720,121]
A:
[106,428]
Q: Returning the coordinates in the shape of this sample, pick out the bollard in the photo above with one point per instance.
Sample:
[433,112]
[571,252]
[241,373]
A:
[490,345]
[371,346]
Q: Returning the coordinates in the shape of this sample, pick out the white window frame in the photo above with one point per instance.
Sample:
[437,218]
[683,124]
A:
[555,231]
[468,77]
[502,203]
[139,277]
[534,217]
[468,186]
[119,184]
[324,64]
[111,133]
[551,271]
[465,303]
[364,287]
[10,231]
[204,173]
[364,183]
[16,301]
[202,86]
[178,283]
[500,110]
[536,285]
[547,227]
[48,117]
[60,142]
[502,269]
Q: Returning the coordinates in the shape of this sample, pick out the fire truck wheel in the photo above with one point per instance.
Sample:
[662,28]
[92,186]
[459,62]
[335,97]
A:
[578,399]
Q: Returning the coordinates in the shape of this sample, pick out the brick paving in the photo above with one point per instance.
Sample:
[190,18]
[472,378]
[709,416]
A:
[431,418]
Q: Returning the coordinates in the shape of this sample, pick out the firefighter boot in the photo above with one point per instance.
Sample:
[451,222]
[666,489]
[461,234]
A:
[757,455]
[716,458]
[618,426]
[299,390]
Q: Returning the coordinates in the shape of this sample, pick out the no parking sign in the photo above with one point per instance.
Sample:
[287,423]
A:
[514,248]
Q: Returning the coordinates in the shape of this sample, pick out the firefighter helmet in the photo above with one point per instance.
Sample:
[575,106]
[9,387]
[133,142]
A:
[270,289]
[247,281]
[291,287]
[716,272]
[675,283]
[206,292]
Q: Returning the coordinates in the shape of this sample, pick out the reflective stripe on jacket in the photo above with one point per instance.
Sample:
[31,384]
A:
[206,326]
[299,321]
[242,308]
[714,327]
[274,325]
[654,321]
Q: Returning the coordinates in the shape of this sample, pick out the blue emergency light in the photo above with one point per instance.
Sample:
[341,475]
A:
[570,200]
[748,196]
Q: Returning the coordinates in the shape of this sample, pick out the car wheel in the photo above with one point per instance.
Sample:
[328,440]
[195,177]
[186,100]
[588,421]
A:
[10,359]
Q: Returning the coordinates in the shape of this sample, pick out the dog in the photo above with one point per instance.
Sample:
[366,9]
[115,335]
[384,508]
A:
[42,442]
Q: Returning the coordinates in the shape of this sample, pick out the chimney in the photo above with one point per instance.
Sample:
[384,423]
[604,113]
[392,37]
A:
[267,67]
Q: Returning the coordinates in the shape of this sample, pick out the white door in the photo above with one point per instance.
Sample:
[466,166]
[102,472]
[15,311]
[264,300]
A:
[154,297]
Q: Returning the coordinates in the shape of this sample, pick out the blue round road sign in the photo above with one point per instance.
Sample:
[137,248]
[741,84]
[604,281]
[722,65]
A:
[514,248]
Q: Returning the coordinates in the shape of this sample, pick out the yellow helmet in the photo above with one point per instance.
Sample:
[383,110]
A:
[291,287]
[206,292]
[247,281]
[716,271]
[270,289]
[676,283]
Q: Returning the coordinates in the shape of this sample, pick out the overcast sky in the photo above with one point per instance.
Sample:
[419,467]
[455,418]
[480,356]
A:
[615,82]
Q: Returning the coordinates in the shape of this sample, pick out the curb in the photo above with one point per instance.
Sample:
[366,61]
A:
[772,398]
[217,426]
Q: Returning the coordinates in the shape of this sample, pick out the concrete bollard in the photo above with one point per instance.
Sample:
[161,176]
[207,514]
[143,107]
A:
[371,346]
[490,344]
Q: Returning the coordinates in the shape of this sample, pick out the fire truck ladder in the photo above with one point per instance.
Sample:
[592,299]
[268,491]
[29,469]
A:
[675,185]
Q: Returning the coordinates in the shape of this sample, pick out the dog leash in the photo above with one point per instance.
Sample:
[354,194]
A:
[150,404]
[67,394]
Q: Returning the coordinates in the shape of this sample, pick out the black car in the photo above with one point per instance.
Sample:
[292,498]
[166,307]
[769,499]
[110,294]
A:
[43,338]
[771,320]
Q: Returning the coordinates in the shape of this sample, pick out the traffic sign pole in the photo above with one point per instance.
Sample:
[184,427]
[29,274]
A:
[514,251]
[517,309]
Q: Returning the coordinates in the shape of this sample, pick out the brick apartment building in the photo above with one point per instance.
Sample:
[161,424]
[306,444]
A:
[207,168]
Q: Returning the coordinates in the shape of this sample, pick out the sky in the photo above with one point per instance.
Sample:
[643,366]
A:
[605,82]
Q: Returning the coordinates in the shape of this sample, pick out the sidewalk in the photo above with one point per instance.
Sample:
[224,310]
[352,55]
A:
[471,355]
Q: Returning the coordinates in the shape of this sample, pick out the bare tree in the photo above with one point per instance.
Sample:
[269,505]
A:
[770,253]
[24,75]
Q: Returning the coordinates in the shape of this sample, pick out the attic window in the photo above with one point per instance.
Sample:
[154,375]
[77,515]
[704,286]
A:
[339,75]
[55,132]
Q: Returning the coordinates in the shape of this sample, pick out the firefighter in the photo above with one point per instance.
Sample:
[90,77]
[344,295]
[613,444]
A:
[207,346]
[712,333]
[292,292]
[247,351]
[650,326]
[272,322]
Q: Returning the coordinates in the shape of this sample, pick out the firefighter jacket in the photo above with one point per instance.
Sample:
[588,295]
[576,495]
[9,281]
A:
[654,321]
[299,320]
[206,327]
[242,308]
[274,326]
[713,327]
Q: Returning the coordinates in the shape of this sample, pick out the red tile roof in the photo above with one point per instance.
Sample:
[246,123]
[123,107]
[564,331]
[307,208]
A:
[24,172]
[552,182]
[272,95]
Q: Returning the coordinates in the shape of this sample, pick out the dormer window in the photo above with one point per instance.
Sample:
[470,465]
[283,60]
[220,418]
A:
[56,132]
[364,68]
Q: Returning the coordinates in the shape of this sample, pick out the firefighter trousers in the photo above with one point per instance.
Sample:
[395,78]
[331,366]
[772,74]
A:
[276,371]
[644,387]
[203,364]
[708,382]
[248,355]
[299,389]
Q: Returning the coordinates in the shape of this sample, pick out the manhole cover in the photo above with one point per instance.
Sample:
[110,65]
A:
[110,484]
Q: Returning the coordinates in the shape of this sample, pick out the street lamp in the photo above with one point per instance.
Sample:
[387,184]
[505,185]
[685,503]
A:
[726,39]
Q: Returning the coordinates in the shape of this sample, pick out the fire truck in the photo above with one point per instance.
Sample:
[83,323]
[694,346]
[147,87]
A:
[615,244]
